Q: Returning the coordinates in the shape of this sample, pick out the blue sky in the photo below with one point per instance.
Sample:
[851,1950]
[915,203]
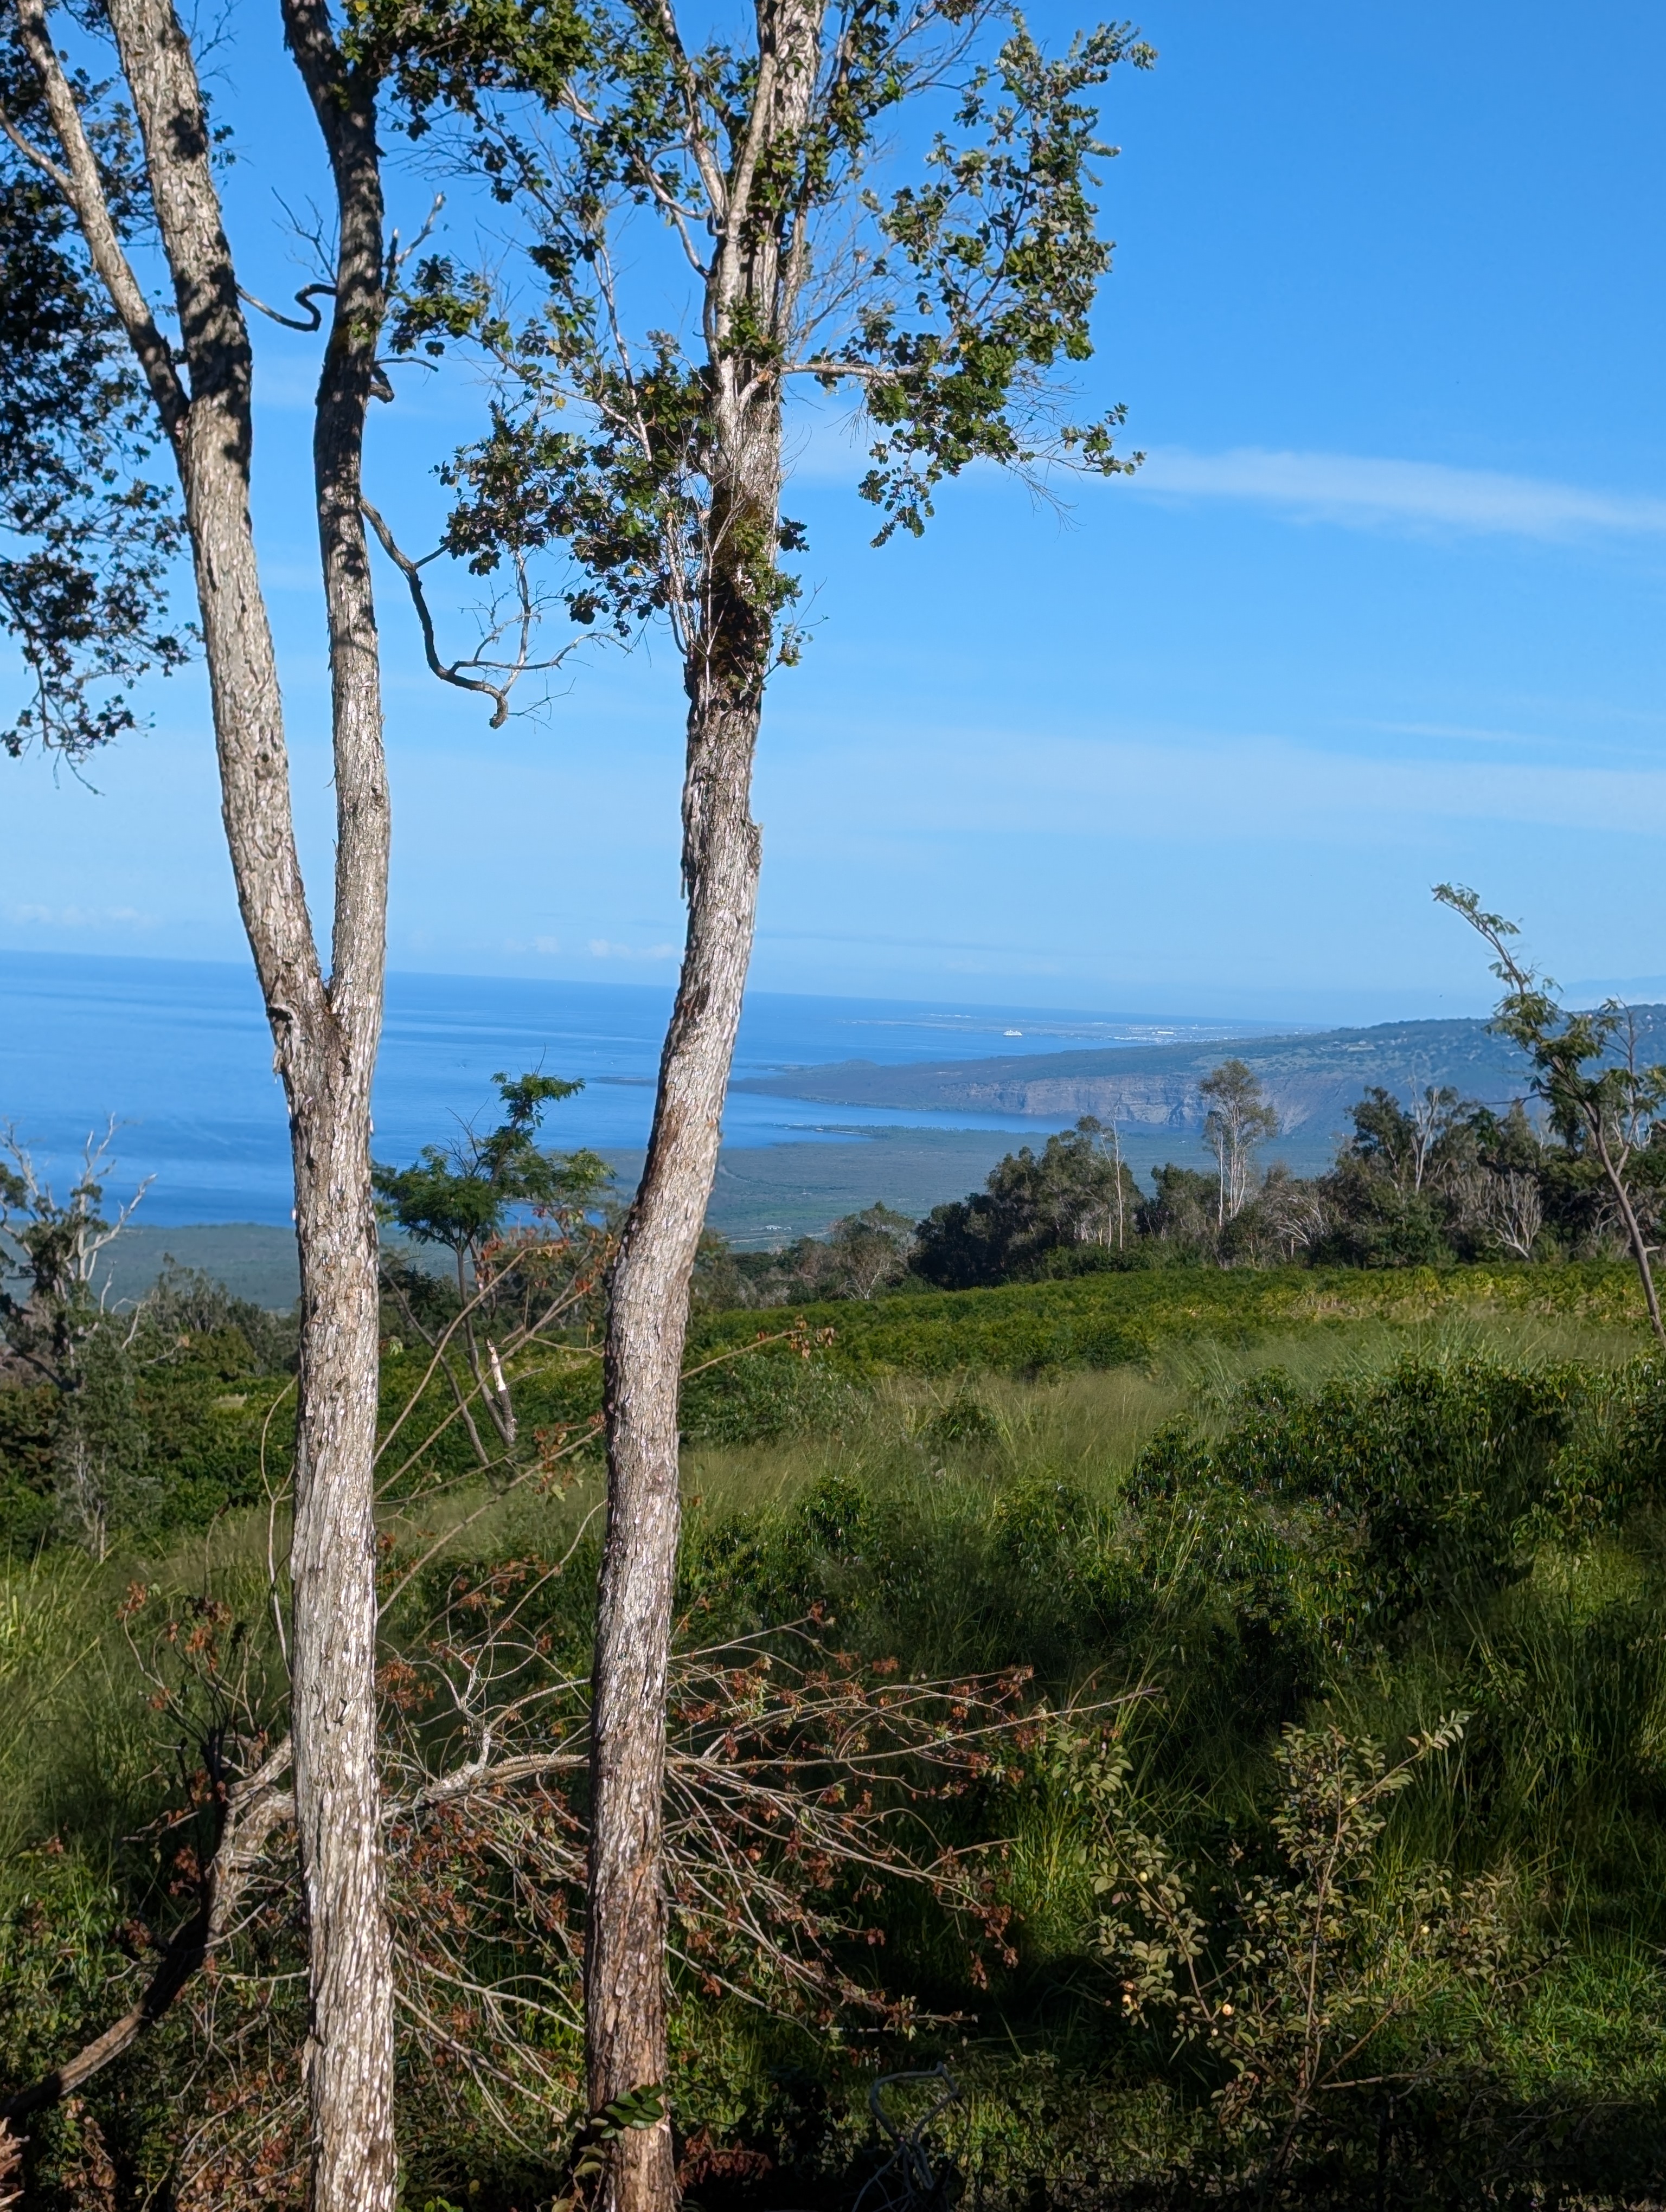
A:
[1383,605]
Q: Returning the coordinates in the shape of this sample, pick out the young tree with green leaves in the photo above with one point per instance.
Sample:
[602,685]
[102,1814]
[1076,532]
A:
[1602,1102]
[710,225]
[462,1196]
[1239,1118]
[463,1199]
[1321,1973]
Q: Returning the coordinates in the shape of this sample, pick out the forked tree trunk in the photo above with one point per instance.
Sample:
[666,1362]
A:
[1642,1252]
[324,1032]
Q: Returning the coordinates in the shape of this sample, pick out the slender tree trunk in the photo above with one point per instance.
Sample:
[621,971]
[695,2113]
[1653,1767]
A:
[758,267]
[324,1032]
[1635,1236]
[333,1548]
[624,1957]
[332,1676]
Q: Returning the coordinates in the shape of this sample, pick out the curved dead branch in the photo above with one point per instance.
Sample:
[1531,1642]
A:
[250,1811]
[523,622]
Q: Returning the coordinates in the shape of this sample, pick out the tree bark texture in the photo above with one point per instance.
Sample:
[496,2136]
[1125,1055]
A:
[624,1955]
[325,1031]
[333,1556]
[757,270]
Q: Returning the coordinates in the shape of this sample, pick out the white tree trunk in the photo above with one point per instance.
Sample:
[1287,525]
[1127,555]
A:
[727,656]
[324,1032]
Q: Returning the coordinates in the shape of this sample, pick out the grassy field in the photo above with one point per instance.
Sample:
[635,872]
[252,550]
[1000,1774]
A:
[1105,1320]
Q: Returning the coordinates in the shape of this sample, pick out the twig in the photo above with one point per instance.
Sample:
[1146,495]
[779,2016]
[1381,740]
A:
[453,671]
[306,299]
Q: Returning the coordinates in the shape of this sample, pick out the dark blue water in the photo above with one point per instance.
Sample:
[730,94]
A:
[178,1051]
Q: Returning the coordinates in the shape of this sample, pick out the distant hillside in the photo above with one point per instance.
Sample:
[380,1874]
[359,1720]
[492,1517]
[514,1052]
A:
[1311,1079]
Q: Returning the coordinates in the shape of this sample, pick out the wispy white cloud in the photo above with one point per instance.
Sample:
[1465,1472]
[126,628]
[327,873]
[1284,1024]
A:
[545,948]
[827,443]
[1132,785]
[1352,487]
[830,446]
[600,948]
[80,917]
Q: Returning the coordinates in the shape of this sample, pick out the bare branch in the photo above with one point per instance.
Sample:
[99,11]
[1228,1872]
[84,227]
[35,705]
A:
[251,1810]
[306,299]
[399,254]
[454,671]
[83,188]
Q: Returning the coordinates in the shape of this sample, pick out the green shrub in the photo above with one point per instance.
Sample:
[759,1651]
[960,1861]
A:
[1105,1319]
[757,1398]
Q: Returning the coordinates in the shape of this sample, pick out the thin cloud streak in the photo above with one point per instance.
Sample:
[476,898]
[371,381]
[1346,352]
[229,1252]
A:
[1356,489]
[1125,787]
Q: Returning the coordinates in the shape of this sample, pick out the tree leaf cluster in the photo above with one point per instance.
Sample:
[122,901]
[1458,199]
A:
[88,534]
[1436,1181]
[463,1196]
[1077,1191]
[862,1255]
[945,309]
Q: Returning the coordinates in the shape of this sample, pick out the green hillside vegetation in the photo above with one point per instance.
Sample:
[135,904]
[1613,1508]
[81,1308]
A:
[1249,1526]
[1435,1179]
[202,1400]
[1215,1708]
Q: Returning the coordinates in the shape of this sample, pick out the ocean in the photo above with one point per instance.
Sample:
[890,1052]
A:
[178,1052]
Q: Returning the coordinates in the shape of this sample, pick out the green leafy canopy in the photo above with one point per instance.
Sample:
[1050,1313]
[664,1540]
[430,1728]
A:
[948,309]
[463,1197]
[88,535]
[1584,1068]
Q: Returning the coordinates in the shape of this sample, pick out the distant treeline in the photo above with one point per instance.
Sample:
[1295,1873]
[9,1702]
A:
[118,1422]
[1438,1180]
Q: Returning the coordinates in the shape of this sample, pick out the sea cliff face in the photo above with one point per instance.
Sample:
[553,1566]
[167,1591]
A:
[1311,1079]
[1150,1101]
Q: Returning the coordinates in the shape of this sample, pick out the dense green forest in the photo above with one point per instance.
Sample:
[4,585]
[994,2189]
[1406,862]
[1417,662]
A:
[1215,1708]
[1433,1181]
